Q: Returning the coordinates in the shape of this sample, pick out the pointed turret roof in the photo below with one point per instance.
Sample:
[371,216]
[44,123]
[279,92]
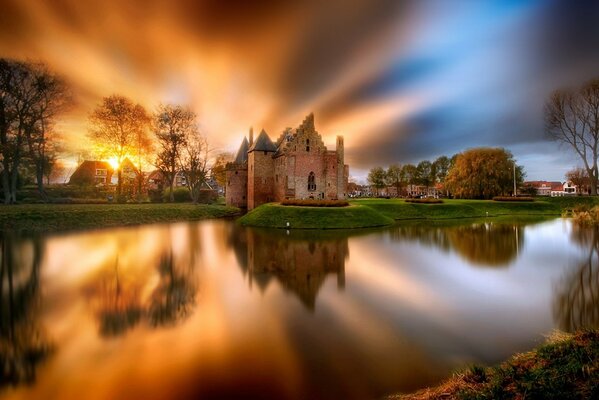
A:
[263,143]
[242,153]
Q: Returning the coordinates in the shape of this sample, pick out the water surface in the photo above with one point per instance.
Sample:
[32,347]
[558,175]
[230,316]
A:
[212,309]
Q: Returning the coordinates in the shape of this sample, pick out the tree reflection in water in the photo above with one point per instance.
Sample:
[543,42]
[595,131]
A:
[481,243]
[299,261]
[23,342]
[576,304]
[120,305]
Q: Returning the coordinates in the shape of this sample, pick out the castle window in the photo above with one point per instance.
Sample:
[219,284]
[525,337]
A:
[307,144]
[265,152]
[311,182]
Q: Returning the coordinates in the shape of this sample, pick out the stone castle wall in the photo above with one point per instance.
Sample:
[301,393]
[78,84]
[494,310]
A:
[237,185]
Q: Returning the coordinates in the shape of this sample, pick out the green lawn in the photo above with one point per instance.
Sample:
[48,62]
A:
[400,210]
[380,212]
[60,217]
[274,215]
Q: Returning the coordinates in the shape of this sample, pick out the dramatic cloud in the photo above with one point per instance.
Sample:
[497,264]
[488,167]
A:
[402,81]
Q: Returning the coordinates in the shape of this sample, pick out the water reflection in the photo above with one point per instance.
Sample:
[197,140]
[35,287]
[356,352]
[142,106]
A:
[120,297]
[481,243]
[23,342]
[211,309]
[299,261]
[576,302]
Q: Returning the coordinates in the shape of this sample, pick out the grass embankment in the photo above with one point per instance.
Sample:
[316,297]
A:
[62,217]
[274,215]
[567,367]
[380,212]
[400,210]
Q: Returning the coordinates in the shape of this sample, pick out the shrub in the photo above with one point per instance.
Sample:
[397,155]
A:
[425,201]
[315,203]
[586,216]
[207,196]
[180,194]
[508,198]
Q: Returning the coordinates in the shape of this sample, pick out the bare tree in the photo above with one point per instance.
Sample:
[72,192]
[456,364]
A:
[572,117]
[194,161]
[172,125]
[52,98]
[18,93]
[116,125]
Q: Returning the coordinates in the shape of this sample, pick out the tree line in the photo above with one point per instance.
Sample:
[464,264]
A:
[479,173]
[32,98]
[169,139]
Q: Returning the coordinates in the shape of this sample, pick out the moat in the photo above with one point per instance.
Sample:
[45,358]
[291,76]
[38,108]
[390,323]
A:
[211,309]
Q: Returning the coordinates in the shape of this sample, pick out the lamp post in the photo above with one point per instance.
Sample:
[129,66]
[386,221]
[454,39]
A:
[514,178]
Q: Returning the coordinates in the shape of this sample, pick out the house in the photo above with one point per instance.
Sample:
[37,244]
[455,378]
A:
[156,180]
[296,166]
[544,188]
[91,172]
[566,189]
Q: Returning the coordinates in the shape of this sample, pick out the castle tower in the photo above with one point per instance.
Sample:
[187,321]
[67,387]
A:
[341,185]
[237,178]
[261,171]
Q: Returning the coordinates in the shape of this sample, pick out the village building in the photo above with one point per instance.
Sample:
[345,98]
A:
[296,166]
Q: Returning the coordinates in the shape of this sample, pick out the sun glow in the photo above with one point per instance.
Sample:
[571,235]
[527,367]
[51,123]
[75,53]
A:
[114,163]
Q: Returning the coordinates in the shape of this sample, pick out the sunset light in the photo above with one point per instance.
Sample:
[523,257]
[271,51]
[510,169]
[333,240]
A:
[114,163]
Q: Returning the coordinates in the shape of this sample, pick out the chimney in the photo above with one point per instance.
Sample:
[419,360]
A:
[251,136]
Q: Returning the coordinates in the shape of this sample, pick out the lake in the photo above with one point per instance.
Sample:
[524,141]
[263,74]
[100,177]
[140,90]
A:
[213,310]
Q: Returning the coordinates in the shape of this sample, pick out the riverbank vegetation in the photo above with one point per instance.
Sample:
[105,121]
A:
[566,367]
[64,217]
[274,215]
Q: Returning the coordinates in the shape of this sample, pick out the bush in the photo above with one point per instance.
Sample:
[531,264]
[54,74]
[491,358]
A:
[207,196]
[425,201]
[180,194]
[155,195]
[315,203]
[508,198]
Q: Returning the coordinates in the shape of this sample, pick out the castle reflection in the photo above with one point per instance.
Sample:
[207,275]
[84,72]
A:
[479,243]
[23,342]
[299,261]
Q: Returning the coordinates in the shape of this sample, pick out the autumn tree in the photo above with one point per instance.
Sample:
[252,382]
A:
[376,178]
[394,177]
[218,171]
[173,124]
[572,118]
[579,177]
[117,125]
[483,173]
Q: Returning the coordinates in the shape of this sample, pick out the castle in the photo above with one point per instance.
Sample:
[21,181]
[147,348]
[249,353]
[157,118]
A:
[297,166]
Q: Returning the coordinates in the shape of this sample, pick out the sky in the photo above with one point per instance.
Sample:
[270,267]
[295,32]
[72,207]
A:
[402,81]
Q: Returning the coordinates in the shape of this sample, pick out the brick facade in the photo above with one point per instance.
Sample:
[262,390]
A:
[296,166]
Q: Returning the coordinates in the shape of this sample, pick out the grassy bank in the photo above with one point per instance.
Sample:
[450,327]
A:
[398,209]
[567,367]
[380,212]
[273,215]
[61,217]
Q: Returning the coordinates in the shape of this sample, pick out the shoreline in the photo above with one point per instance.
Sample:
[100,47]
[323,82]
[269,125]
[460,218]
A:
[58,218]
[565,366]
